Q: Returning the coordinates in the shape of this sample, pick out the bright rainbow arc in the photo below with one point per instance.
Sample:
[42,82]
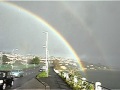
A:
[51,28]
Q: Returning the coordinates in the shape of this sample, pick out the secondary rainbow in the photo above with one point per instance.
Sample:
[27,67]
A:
[38,18]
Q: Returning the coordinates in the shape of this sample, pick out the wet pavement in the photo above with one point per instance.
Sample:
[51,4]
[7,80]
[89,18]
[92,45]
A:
[55,82]
[52,82]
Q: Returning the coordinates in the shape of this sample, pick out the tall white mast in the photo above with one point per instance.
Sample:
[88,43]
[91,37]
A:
[46,50]
[47,53]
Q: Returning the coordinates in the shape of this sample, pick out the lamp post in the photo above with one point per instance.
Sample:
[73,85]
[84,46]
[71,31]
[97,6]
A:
[46,49]
[13,54]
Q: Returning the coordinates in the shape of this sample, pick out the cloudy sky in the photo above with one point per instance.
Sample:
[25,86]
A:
[91,28]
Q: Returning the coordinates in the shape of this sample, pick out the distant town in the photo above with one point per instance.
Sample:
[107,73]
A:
[63,63]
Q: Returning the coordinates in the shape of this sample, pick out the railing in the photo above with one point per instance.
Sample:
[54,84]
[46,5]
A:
[104,88]
[97,85]
[81,83]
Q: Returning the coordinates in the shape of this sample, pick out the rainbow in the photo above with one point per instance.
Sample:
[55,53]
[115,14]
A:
[39,19]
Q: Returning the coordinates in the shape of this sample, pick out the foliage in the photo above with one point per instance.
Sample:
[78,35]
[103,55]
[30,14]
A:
[78,85]
[5,67]
[8,66]
[42,74]
[35,60]
[5,59]
[29,61]
[17,62]
[56,64]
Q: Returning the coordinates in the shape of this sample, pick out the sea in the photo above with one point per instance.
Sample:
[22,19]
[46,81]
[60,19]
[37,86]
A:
[108,78]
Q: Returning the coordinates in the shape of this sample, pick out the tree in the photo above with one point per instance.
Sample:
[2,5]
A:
[35,60]
[56,64]
[17,63]
[5,59]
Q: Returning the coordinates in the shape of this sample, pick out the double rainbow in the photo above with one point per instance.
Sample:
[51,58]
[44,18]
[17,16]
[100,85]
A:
[41,20]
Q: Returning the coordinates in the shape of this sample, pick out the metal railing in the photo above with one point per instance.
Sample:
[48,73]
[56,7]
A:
[84,82]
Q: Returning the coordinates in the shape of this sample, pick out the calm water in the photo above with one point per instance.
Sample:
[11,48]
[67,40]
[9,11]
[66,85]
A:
[110,79]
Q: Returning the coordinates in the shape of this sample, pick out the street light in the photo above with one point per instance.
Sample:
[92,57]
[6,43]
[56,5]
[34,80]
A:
[46,48]
[13,54]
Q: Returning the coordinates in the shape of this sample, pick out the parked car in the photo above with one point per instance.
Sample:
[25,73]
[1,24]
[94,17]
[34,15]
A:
[43,69]
[6,79]
[17,73]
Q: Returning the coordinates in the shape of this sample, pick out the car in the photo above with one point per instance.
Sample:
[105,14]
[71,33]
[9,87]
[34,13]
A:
[6,79]
[43,69]
[17,73]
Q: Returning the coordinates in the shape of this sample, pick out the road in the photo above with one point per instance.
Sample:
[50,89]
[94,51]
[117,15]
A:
[28,75]
[28,81]
[54,81]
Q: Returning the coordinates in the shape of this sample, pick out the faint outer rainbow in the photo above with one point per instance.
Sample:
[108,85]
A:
[38,18]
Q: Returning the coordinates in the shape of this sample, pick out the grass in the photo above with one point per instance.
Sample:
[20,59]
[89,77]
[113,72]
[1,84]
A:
[42,74]
[5,67]
[9,67]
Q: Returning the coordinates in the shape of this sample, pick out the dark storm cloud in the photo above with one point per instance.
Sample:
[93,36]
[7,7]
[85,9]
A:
[19,30]
[91,28]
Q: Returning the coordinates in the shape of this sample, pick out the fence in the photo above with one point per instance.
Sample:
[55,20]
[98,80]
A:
[79,83]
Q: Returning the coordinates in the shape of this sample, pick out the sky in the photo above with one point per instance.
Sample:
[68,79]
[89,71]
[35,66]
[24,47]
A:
[91,28]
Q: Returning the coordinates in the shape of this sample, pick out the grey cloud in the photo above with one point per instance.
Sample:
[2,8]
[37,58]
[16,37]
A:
[91,28]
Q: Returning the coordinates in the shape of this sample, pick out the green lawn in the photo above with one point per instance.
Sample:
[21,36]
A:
[42,74]
[9,67]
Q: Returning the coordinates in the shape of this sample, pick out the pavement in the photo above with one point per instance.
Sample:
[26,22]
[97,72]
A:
[52,82]
[55,82]
[33,84]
